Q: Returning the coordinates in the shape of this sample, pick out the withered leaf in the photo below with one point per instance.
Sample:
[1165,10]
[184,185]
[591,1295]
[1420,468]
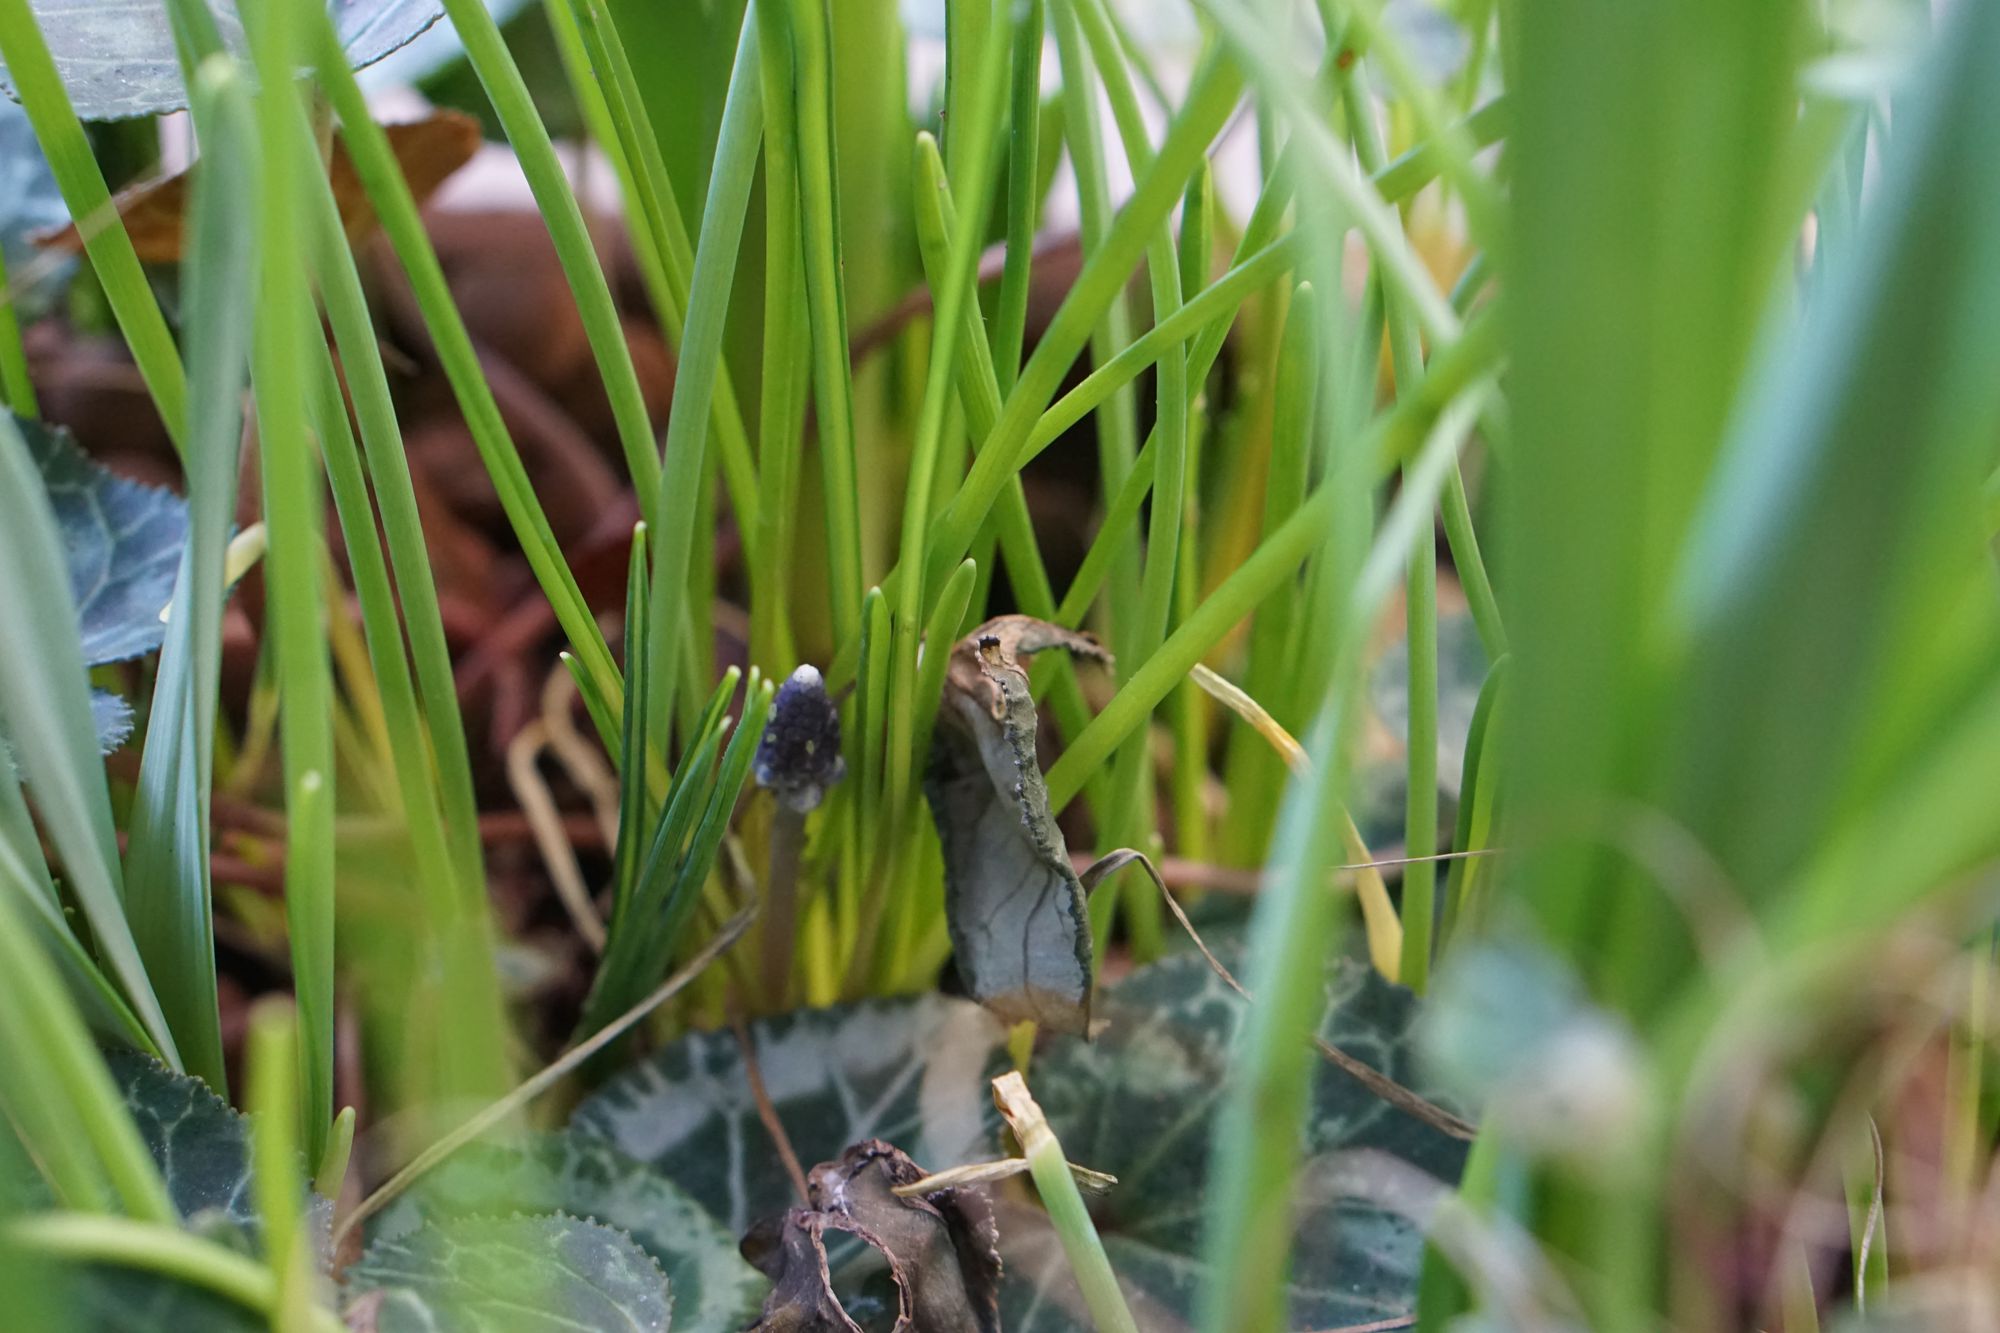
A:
[941,1248]
[1013,903]
[791,1251]
[155,211]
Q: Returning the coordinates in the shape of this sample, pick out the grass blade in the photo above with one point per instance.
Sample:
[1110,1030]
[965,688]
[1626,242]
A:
[389,194]
[696,376]
[167,860]
[45,706]
[58,1094]
[32,71]
[826,303]
[294,512]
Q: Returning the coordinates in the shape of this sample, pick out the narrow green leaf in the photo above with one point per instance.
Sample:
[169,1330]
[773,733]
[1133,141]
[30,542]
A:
[45,710]
[39,86]
[167,860]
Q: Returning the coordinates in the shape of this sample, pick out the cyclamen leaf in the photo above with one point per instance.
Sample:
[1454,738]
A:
[202,1148]
[911,1070]
[1140,1103]
[119,61]
[29,202]
[552,1274]
[122,541]
[126,1300]
[201,1144]
[112,717]
[1012,900]
[711,1284]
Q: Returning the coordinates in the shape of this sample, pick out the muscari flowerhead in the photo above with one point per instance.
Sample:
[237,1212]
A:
[798,756]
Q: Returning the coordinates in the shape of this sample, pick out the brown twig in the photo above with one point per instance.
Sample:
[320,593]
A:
[765,1111]
[1184,874]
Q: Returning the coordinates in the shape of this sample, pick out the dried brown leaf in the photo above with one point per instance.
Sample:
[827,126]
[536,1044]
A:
[942,1249]
[1013,902]
[155,211]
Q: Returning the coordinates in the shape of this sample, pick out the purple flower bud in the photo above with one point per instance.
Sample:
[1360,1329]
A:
[798,756]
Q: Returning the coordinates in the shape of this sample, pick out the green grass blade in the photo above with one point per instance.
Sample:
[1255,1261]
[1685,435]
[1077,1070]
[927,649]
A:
[167,862]
[294,511]
[57,1093]
[442,732]
[24,875]
[389,193]
[17,393]
[651,865]
[45,708]
[1024,195]
[1111,330]
[956,297]
[1209,103]
[696,377]
[270,1056]
[515,106]
[786,357]
[634,792]
[979,396]
[680,901]
[1275,559]
[662,235]
[1851,570]
[826,303]
[32,71]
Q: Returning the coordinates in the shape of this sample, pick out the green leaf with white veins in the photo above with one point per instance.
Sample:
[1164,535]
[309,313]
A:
[200,1142]
[711,1284]
[122,547]
[202,1147]
[118,60]
[911,1070]
[551,1274]
[122,541]
[1140,1103]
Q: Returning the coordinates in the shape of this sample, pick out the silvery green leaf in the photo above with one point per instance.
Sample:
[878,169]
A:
[1140,1103]
[202,1148]
[122,544]
[549,1274]
[111,1299]
[589,1178]
[912,1070]
[121,540]
[1509,1027]
[1018,927]
[118,60]
[200,1142]
[436,48]
[29,202]
[113,718]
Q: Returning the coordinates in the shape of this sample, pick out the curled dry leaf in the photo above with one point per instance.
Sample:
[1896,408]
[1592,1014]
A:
[941,1249]
[1013,902]
[791,1251]
[155,211]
